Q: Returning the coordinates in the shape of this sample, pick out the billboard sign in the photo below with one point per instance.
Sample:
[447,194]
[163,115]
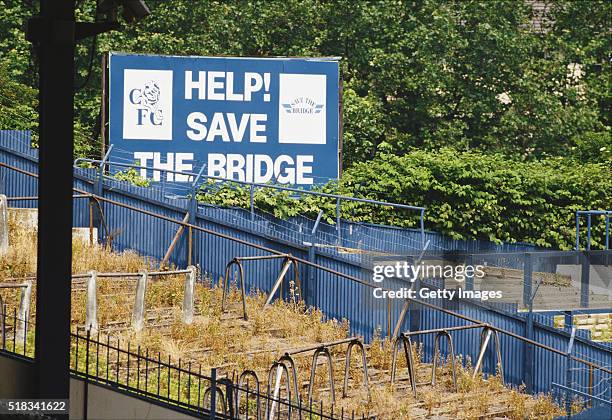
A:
[249,119]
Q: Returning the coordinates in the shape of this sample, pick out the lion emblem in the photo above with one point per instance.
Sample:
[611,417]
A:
[149,98]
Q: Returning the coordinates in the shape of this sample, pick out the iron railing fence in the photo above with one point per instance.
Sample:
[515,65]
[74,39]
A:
[168,381]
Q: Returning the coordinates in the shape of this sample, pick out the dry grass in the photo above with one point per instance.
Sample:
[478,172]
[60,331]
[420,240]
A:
[225,341]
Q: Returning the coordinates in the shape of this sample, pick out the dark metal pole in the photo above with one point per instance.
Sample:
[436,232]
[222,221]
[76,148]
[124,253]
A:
[56,57]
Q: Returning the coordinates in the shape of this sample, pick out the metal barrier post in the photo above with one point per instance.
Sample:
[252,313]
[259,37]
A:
[252,201]
[213,393]
[423,229]
[24,311]
[469,281]
[139,303]
[338,221]
[4,231]
[585,279]
[188,295]
[577,231]
[311,274]
[568,373]
[91,314]
[193,219]
[99,184]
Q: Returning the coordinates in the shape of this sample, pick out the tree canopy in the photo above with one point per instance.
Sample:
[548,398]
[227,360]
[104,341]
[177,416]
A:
[475,76]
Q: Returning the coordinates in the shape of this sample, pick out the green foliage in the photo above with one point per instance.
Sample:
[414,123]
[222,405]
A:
[434,75]
[132,176]
[467,195]
[466,74]
[18,104]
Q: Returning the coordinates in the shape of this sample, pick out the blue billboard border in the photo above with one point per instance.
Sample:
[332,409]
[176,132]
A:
[107,94]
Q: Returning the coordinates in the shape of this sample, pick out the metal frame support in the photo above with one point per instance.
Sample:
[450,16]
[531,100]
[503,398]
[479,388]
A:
[213,401]
[296,389]
[91,314]
[338,205]
[568,372]
[281,276]
[414,320]
[229,265]
[422,217]
[589,213]
[241,380]
[585,279]
[485,338]
[347,364]
[99,185]
[192,209]
[313,369]
[407,344]
[252,201]
[271,406]
[177,236]
[311,273]
[436,355]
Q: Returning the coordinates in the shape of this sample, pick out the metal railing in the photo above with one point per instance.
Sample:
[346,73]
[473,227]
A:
[589,216]
[166,381]
[253,185]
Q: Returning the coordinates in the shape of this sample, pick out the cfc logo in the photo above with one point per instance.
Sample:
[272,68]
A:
[147,104]
[148,99]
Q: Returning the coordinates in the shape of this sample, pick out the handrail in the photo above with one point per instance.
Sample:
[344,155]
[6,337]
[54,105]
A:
[257,184]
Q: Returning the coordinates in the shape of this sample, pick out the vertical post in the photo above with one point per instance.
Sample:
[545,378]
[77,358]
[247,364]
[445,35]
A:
[189,245]
[91,315]
[585,274]
[56,63]
[4,231]
[213,393]
[252,201]
[591,385]
[104,104]
[423,228]
[568,373]
[311,274]
[24,312]
[91,223]
[338,220]
[188,295]
[193,218]
[588,247]
[469,281]
[577,231]
[139,302]
[528,352]
[607,245]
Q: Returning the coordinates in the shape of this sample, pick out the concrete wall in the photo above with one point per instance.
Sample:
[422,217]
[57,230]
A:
[28,218]
[104,403]
[17,377]
[17,380]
